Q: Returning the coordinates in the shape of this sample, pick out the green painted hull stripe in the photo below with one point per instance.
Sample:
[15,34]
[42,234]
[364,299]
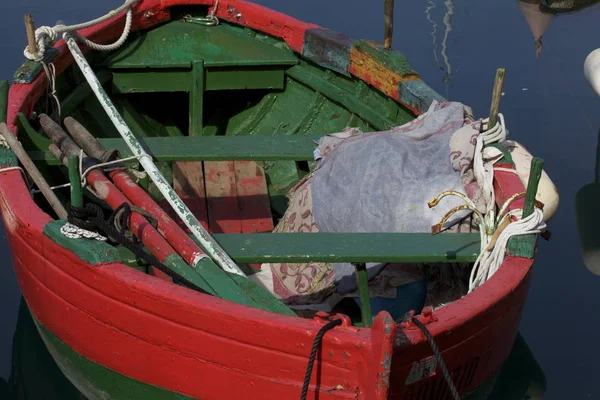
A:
[95,381]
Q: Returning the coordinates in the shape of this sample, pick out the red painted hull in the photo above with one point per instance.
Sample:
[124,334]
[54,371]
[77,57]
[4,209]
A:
[203,347]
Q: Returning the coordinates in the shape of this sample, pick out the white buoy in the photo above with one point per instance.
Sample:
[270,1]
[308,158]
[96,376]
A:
[591,69]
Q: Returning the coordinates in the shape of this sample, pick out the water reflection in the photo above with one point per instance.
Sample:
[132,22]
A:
[34,374]
[540,13]
[447,21]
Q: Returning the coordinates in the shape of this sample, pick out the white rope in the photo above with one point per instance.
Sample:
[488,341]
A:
[74,232]
[46,36]
[64,185]
[50,71]
[107,164]
[489,261]
[491,256]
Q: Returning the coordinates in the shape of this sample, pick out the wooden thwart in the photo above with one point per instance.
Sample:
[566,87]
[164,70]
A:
[351,247]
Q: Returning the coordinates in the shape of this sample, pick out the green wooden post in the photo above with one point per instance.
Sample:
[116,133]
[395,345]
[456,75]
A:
[75,179]
[196,98]
[535,173]
[3,100]
[363,291]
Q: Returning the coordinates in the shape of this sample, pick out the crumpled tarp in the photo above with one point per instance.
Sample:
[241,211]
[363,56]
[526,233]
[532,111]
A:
[382,181]
[375,182]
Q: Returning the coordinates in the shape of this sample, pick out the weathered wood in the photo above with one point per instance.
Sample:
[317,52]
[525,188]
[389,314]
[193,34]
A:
[188,182]
[328,49]
[30,29]
[350,247]
[219,46]
[537,166]
[389,24]
[222,197]
[35,174]
[92,251]
[253,197]
[496,95]
[340,96]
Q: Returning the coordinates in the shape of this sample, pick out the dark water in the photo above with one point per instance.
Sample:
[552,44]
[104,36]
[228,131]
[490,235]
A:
[548,106]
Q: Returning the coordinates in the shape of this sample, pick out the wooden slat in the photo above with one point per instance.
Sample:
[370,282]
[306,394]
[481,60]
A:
[188,183]
[222,197]
[213,148]
[253,197]
[351,247]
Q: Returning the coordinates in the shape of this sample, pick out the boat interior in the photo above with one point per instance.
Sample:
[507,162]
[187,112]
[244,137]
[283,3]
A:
[230,116]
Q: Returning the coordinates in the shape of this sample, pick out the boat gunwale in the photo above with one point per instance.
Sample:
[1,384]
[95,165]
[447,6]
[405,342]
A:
[24,218]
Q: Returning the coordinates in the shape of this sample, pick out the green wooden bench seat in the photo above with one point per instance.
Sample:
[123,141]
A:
[351,247]
[212,148]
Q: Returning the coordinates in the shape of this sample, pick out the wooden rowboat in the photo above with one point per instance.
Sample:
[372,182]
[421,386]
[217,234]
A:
[214,105]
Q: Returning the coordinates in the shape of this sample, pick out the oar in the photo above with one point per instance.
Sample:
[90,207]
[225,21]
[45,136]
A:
[587,199]
[207,242]
[141,228]
[219,280]
[35,174]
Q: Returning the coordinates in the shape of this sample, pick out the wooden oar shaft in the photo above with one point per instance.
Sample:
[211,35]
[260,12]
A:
[33,172]
[172,232]
[139,225]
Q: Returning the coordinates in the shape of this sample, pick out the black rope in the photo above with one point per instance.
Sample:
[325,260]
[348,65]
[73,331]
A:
[313,353]
[438,357]
[91,217]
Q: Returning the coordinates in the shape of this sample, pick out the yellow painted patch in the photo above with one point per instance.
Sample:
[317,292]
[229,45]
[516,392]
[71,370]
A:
[372,71]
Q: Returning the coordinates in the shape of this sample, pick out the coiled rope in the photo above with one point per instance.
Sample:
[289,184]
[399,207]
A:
[46,36]
[495,231]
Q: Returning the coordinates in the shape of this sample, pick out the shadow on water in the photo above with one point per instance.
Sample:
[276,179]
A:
[34,375]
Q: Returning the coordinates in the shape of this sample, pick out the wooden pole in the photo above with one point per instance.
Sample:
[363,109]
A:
[363,292]
[535,174]
[30,29]
[35,174]
[389,23]
[496,94]
[75,180]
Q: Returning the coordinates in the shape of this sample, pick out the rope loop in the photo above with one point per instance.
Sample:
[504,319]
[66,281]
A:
[46,36]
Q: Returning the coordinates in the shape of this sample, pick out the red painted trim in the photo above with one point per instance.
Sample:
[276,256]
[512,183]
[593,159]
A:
[507,184]
[151,330]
